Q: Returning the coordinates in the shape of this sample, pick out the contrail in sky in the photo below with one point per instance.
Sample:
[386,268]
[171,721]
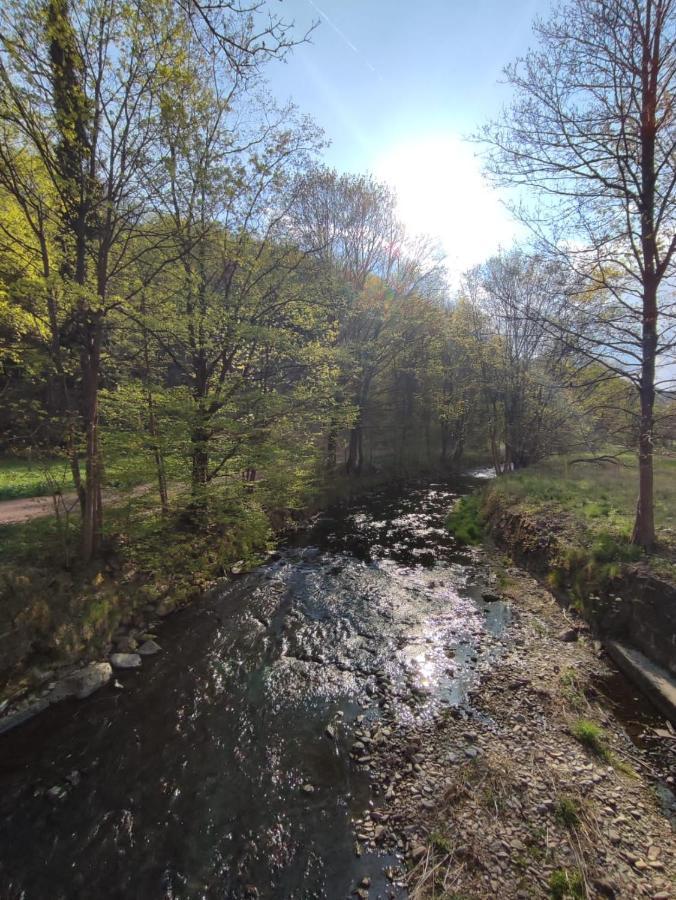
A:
[342,36]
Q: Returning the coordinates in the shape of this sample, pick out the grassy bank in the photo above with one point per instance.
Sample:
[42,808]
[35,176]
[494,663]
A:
[586,510]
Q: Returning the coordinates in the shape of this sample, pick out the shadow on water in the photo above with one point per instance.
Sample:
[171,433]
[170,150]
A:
[210,773]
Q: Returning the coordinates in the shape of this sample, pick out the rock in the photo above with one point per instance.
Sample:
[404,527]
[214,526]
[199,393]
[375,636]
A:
[85,681]
[125,660]
[22,715]
[418,852]
[308,789]
[606,888]
[365,882]
[149,648]
[56,793]
[568,635]
[126,644]
[330,732]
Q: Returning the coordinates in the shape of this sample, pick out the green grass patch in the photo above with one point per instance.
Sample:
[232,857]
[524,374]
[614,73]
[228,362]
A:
[465,521]
[567,812]
[566,884]
[21,478]
[591,736]
[590,509]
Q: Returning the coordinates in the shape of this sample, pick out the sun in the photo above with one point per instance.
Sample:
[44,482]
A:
[442,193]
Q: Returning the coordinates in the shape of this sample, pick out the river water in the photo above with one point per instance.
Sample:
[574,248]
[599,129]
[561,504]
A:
[210,772]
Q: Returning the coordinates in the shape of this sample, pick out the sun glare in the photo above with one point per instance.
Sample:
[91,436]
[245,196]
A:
[442,193]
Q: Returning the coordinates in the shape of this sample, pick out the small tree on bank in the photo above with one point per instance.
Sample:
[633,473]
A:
[592,131]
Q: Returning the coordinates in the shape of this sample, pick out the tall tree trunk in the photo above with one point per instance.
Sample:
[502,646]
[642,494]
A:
[92,520]
[331,446]
[443,454]
[200,460]
[354,457]
[644,525]
[157,455]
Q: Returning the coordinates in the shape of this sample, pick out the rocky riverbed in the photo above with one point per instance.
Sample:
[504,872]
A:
[500,798]
[378,713]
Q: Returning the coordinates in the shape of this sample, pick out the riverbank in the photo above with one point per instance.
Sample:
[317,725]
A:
[535,788]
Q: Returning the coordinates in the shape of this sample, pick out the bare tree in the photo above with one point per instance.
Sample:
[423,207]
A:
[592,132]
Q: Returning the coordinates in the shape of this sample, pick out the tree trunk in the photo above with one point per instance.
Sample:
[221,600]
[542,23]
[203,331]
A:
[92,520]
[200,460]
[354,457]
[644,525]
[443,454]
[158,456]
[331,446]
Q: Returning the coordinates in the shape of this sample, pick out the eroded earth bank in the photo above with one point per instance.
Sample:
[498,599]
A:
[377,711]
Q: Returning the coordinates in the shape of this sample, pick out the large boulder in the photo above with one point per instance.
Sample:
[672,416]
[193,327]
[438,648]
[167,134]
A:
[84,682]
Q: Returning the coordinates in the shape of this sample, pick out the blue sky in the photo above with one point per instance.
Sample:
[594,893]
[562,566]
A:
[397,86]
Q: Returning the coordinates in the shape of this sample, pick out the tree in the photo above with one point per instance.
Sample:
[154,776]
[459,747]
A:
[81,83]
[592,132]
[350,224]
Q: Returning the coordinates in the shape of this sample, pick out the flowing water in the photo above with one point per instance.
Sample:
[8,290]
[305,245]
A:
[210,773]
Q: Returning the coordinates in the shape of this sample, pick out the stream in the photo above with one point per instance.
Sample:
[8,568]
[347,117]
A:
[210,772]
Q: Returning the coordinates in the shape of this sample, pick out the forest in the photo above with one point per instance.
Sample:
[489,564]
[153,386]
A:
[192,301]
[208,334]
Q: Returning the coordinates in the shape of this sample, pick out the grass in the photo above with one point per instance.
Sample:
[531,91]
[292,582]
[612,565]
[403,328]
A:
[567,812]
[33,478]
[566,884]
[591,736]
[21,478]
[592,506]
[464,520]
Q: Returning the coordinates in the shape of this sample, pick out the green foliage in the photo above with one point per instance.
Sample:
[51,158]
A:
[440,842]
[591,736]
[566,884]
[465,520]
[567,811]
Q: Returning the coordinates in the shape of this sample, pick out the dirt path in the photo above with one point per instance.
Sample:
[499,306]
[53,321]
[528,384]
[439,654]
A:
[12,512]
[502,800]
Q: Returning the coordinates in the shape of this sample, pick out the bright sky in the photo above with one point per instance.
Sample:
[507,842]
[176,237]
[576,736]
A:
[396,86]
